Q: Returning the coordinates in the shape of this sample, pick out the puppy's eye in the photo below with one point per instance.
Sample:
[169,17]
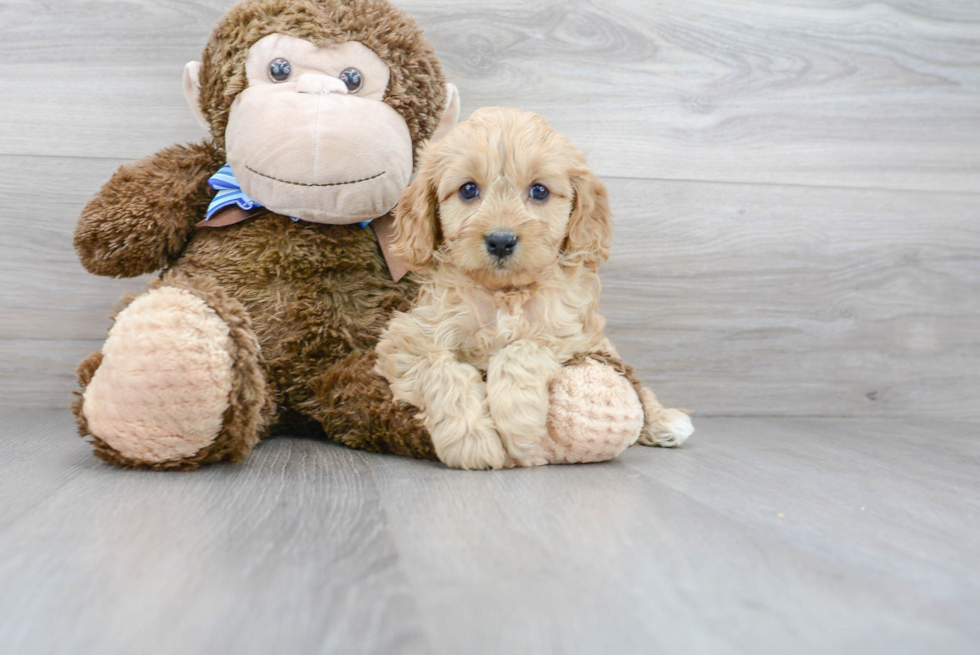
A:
[540,192]
[469,191]
[280,70]
[353,79]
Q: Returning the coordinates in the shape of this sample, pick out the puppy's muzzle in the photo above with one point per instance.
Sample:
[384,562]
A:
[501,243]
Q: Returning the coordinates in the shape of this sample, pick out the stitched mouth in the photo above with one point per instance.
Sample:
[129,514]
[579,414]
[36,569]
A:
[365,179]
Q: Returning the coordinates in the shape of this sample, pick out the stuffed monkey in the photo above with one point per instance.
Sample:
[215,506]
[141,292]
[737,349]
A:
[270,236]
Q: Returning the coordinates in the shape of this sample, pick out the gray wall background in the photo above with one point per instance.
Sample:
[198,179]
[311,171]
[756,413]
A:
[796,183]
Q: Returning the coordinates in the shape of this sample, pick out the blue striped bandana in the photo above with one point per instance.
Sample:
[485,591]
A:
[230,193]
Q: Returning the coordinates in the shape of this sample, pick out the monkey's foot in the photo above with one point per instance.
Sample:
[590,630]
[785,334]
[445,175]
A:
[166,392]
[594,415]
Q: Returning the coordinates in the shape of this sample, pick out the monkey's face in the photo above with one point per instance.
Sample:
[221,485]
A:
[310,137]
[319,105]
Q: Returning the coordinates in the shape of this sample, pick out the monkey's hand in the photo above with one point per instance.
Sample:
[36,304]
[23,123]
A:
[141,219]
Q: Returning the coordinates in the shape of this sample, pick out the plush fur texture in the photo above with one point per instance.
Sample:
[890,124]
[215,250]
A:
[132,403]
[489,336]
[248,407]
[303,303]
[144,215]
[664,427]
[592,426]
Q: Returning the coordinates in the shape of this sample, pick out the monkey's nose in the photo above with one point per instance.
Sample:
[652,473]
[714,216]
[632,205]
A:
[501,243]
[320,84]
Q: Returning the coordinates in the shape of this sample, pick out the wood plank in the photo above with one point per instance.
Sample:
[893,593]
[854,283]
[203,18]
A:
[600,559]
[729,299]
[883,95]
[285,553]
[743,300]
[41,372]
[892,500]
[310,547]
[45,292]
[746,300]
[38,457]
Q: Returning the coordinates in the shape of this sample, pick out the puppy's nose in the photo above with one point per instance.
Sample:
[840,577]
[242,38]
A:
[501,243]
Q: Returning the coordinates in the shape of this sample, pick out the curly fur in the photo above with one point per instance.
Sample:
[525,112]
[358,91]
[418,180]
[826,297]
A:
[478,353]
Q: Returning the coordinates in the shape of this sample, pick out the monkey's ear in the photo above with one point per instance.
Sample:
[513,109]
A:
[451,114]
[192,91]
[417,218]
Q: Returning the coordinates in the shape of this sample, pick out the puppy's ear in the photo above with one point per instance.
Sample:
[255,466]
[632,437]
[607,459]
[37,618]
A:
[590,226]
[417,219]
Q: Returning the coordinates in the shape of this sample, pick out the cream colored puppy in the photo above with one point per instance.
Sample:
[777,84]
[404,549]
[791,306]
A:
[509,226]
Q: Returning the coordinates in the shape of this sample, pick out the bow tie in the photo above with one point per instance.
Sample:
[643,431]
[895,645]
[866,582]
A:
[230,193]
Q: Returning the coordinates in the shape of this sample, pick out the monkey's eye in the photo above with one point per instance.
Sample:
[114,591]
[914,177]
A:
[279,70]
[540,192]
[469,191]
[352,78]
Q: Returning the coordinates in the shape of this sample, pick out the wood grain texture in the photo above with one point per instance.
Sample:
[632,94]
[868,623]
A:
[41,372]
[771,300]
[287,553]
[44,291]
[757,536]
[845,94]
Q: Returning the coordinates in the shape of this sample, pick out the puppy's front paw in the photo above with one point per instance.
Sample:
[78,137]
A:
[522,451]
[517,394]
[667,428]
[527,462]
[480,448]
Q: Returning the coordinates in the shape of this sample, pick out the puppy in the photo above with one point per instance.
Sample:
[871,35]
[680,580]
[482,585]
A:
[508,226]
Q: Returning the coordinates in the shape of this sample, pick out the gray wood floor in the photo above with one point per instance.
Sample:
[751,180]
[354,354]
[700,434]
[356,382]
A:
[758,536]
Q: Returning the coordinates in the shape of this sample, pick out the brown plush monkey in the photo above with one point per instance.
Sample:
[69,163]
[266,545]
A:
[273,293]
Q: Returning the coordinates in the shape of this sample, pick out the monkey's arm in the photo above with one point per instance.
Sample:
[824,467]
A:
[144,214]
